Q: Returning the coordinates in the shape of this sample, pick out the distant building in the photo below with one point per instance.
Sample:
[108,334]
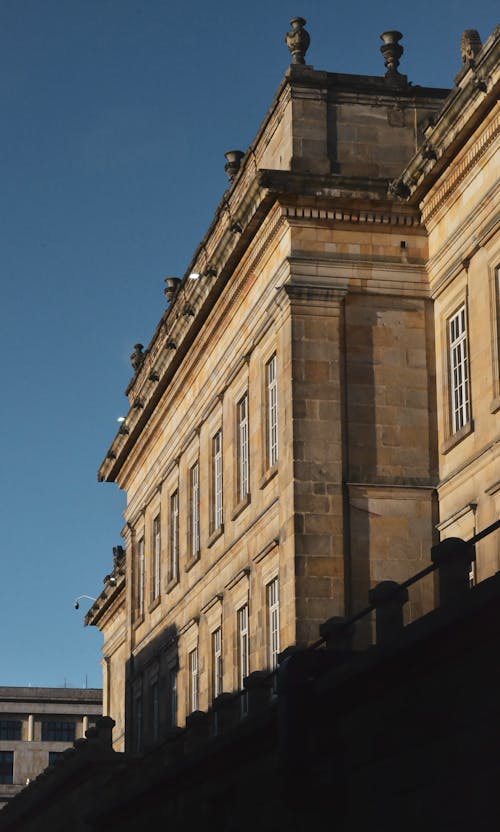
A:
[320,397]
[36,726]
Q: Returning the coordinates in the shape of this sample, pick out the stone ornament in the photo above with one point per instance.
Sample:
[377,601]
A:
[298,40]
[233,162]
[137,357]
[470,45]
[392,51]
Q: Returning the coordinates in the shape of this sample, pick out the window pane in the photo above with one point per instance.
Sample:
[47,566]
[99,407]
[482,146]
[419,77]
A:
[6,767]
[55,731]
[10,729]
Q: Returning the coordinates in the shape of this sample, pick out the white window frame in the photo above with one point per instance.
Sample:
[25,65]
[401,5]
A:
[243,450]
[173,563]
[272,410]
[195,509]
[459,369]
[194,691]
[217,662]
[156,557]
[141,576]
[243,645]
[273,622]
[217,503]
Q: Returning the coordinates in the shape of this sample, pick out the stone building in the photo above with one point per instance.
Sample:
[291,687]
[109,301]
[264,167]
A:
[319,400]
[36,726]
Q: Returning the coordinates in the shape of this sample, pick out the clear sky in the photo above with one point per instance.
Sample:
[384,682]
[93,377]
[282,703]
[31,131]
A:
[115,118]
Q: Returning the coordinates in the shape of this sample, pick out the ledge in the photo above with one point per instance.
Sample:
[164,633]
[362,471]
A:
[457,437]
[268,476]
[241,506]
[191,561]
[495,405]
[154,603]
[218,532]
[171,583]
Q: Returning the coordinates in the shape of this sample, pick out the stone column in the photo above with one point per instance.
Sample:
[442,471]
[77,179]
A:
[318,503]
[31,728]
[85,725]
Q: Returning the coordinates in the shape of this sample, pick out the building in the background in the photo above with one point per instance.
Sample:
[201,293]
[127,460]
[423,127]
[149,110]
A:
[324,375]
[36,726]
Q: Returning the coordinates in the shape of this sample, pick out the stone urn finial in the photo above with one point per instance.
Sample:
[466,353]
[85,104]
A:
[137,357]
[470,45]
[392,51]
[170,290]
[233,162]
[298,40]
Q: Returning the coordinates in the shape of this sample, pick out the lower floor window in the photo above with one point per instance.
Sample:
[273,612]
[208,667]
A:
[6,767]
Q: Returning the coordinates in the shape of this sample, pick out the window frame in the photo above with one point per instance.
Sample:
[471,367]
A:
[243,633]
[243,448]
[272,411]
[174,539]
[194,680]
[156,550]
[459,370]
[273,622]
[217,483]
[217,662]
[11,730]
[6,767]
[194,512]
[58,730]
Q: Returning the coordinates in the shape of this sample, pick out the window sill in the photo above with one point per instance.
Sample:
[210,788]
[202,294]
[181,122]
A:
[495,405]
[215,535]
[241,505]
[457,437]
[155,603]
[171,583]
[191,562]
[268,476]
[138,621]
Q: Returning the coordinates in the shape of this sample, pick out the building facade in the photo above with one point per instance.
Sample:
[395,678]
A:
[301,425]
[36,726]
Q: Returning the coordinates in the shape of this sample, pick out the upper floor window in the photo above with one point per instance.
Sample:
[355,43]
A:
[58,731]
[141,576]
[10,729]
[172,684]
[273,623]
[195,509]
[272,411]
[459,369]
[217,509]
[243,645]
[243,450]
[217,662]
[173,560]
[156,557]
[194,696]
[6,767]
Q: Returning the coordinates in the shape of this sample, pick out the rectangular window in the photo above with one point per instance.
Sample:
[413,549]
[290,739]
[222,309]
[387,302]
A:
[10,729]
[195,510]
[459,369]
[194,698]
[155,711]
[243,450]
[243,645]
[6,767]
[217,480]
[272,411]
[273,623]
[156,557]
[216,662]
[172,680]
[173,562]
[54,756]
[138,722]
[55,731]
[140,577]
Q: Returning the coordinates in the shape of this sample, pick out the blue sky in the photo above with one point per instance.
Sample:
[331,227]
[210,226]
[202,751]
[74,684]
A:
[116,117]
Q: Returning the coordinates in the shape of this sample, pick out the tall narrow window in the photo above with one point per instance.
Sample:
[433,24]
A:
[194,697]
[155,710]
[243,450]
[273,623]
[172,680]
[272,411]
[217,480]
[173,561]
[6,767]
[156,557]
[217,662]
[10,729]
[140,577]
[243,645]
[195,510]
[138,722]
[459,370]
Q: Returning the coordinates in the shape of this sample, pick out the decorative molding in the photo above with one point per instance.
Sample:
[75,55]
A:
[217,599]
[457,515]
[373,217]
[243,573]
[266,550]
[456,174]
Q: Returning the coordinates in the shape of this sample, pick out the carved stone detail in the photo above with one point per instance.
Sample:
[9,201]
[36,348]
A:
[233,162]
[470,45]
[137,357]
[392,51]
[298,40]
